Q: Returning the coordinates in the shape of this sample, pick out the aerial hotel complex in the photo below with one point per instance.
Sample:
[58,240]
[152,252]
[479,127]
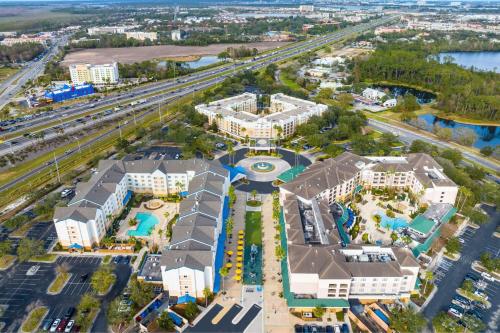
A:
[321,264]
[239,116]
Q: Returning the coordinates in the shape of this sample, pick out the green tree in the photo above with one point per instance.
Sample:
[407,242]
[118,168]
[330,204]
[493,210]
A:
[472,324]
[453,245]
[5,247]
[468,286]
[140,293]
[207,293]
[87,303]
[103,279]
[444,323]
[365,238]
[428,276]
[394,236]
[117,317]
[279,252]
[253,193]
[486,151]
[232,196]
[191,311]
[165,322]
[29,248]
[490,263]
[224,271]
[407,320]
[318,312]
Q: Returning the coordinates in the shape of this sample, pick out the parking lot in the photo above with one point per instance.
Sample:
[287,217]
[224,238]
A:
[19,288]
[449,275]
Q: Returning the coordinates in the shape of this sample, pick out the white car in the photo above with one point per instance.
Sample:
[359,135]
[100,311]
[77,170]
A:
[53,328]
[487,277]
[480,293]
[70,325]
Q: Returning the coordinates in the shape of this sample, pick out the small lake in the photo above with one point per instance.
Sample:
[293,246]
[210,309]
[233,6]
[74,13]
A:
[486,135]
[484,60]
[423,97]
[202,62]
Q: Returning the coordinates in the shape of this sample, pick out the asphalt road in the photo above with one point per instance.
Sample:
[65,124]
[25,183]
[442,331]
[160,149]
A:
[410,136]
[225,324]
[30,71]
[482,240]
[21,142]
[174,95]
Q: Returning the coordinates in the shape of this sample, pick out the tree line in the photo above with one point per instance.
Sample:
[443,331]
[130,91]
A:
[459,91]
[20,52]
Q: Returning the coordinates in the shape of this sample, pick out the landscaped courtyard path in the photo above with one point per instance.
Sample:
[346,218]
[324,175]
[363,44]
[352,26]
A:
[276,316]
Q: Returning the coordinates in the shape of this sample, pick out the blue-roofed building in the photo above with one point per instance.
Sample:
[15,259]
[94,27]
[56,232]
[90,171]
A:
[66,92]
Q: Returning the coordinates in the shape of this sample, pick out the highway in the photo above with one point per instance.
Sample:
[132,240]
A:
[186,86]
[10,87]
[59,119]
[408,136]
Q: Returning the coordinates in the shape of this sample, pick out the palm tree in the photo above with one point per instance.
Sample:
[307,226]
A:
[428,276]
[206,293]
[254,194]
[230,151]
[296,150]
[224,271]
[180,185]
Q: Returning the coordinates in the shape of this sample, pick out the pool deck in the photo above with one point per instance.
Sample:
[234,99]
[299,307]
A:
[168,207]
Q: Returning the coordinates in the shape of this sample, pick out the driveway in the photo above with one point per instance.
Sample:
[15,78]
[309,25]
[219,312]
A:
[450,275]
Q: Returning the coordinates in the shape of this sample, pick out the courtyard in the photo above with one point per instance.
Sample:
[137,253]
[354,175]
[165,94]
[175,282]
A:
[382,213]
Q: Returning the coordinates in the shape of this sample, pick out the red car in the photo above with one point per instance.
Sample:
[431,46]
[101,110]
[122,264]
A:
[62,325]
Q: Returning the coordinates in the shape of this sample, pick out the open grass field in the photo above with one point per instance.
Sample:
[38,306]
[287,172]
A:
[6,72]
[130,55]
[31,18]
[253,228]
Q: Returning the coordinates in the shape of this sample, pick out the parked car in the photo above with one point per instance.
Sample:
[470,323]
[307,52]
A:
[479,305]
[461,301]
[70,325]
[345,328]
[298,328]
[54,325]
[84,277]
[62,325]
[329,329]
[46,323]
[336,328]
[117,259]
[481,284]
[472,277]
[69,312]
[481,293]
[487,277]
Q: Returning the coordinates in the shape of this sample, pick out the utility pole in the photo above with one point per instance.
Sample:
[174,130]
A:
[57,167]
[120,128]
[78,141]
[159,111]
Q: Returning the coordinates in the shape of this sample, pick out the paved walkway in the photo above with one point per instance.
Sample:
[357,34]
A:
[277,318]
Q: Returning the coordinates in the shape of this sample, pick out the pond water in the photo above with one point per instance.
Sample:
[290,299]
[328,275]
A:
[486,135]
[484,60]
[202,62]
[423,97]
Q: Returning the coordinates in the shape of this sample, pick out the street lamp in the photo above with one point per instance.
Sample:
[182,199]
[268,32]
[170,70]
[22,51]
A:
[78,141]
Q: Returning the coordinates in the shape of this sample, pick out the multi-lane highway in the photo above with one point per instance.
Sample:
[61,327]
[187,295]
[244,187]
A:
[65,119]
[10,87]
[166,92]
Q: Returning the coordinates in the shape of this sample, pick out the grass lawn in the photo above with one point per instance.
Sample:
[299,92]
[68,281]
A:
[44,258]
[5,72]
[34,319]
[7,260]
[59,282]
[253,228]
[289,82]
[254,203]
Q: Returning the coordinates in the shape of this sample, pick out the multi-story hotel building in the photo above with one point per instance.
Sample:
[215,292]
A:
[321,263]
[142,35]
[335,179]
[321,267]
[240,117]
[85,219]
[96,74]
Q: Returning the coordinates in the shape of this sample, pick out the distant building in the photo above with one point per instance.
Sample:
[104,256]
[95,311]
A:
[373,94]
[141,35]
[66,92]
[329,61]
[8,33]
[239,116]
[306,8]
[178,35]
[39,39]
[390,103]
[318,71]
[108,30]
[97,74]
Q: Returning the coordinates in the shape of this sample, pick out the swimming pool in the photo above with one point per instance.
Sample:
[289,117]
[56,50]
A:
[147,222]
[382,316]
[392,222]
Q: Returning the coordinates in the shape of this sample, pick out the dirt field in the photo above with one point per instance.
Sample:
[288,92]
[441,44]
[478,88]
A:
[137,54]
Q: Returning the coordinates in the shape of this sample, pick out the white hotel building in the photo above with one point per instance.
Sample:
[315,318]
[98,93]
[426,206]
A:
[320,264]
[96,74]
[240,117]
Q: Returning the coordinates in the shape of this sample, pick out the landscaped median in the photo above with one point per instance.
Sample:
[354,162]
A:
[34,319]
[59,283]
[6,261]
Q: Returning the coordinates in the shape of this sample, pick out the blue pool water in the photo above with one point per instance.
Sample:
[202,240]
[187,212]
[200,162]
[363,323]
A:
[392,222]
[381,315]
[146,224]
